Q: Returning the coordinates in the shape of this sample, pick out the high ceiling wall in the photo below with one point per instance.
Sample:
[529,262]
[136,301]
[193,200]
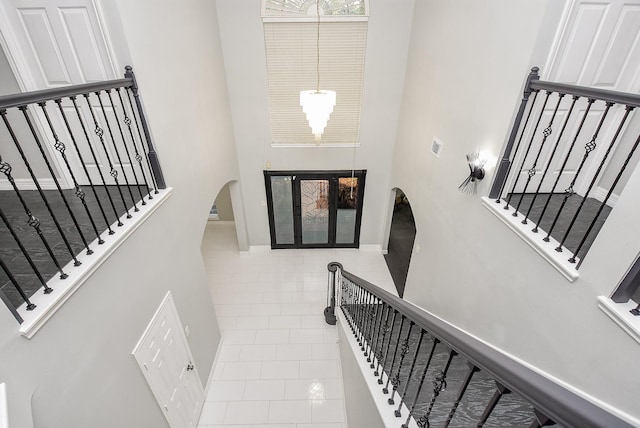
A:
[387,46]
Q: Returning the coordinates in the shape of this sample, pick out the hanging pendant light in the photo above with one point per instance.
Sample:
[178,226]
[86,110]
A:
[317,104]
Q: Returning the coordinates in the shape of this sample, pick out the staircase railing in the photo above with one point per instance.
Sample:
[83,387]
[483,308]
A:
[87,151]
[440,376]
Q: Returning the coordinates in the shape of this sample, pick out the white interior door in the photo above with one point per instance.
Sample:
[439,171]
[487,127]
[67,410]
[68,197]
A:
[55,43]
[165,360]
[598,45]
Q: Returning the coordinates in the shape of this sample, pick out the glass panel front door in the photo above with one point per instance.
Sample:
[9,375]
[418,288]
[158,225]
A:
[347,209]
[314,209]
[282,202]
[314,205]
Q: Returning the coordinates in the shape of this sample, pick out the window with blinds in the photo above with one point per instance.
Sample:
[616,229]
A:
[292,66]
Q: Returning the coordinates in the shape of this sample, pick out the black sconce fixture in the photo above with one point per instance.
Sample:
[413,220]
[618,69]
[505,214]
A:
[476,173]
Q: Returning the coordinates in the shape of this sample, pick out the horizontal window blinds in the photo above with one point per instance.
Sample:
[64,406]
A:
[291,67]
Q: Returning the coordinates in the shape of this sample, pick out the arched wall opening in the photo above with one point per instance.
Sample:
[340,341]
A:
[228,208]
[401,232]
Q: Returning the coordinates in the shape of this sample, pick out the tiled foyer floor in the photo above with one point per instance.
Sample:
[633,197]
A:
[279,364]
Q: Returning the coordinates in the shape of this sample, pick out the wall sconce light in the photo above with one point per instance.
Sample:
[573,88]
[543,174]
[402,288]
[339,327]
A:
[476,173]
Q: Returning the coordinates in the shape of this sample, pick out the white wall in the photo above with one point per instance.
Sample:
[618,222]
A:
[243,45]
[467,63]
[77,371]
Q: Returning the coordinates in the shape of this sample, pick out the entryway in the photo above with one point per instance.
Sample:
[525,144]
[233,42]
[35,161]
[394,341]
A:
[401,238]
[315,209]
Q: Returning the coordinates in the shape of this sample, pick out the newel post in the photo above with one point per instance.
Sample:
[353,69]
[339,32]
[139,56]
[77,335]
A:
[330,310]
[153,156]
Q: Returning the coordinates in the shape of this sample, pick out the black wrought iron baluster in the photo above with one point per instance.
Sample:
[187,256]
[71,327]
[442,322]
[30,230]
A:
[381,368]
[504,167]
[138,157]
[343,294]
[346,295]
[95,159]
[526,154]
[541,420]
[604,202]
[385,390]
[144,150]
[79,192]
[61,148]
[30,306]
[126,149]
[367,323]
[497,395]
[32,221]
[386,329]
[373,332]
[373,312]
[422,378]
[564,163]
[413,366]
[463,389]
[112,171]
[404,350]
[47,289]
[358,323]
[439,385]
[532,171]
[351,306]
[381,307]
[115,149]
[588,148]
[76,262]
[593,182]
[550,162]
[363,317]
[36,138]
[152,157]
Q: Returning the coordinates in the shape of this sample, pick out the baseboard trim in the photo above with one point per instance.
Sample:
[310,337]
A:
[600,193]
[28,184]
[371,247]
[259,248]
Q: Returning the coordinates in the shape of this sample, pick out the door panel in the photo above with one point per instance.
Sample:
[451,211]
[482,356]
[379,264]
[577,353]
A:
[347,209]
[166,362]
[59,43]
[314,209]
[599,46]
[282,203]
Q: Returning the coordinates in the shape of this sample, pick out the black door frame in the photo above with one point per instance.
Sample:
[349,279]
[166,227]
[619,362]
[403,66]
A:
[332,177]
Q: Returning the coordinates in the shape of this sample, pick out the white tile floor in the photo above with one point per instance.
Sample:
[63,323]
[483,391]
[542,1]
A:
[279,363]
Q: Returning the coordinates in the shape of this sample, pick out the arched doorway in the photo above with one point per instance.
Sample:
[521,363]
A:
[401,237]
[227,211]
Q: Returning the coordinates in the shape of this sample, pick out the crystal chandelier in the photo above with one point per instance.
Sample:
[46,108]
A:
[317,104]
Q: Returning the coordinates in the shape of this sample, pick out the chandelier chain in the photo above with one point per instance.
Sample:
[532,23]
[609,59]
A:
[318,46]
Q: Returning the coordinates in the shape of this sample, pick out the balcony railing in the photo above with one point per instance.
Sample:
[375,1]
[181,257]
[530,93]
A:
[76,162]
[566,161]
[436,375]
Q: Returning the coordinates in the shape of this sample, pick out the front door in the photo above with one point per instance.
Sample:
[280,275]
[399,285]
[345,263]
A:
[314,209]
